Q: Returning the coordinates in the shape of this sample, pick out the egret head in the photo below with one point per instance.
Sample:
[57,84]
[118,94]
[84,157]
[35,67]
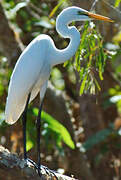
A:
[74,13]
[86,15]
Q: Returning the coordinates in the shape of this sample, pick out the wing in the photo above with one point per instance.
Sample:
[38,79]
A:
[36,90]
[24,77]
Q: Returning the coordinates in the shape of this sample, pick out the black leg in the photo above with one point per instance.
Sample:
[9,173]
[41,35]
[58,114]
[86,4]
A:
[39,166]
[38,134]
[24,119]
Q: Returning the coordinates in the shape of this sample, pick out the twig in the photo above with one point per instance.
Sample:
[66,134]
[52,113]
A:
[93,5]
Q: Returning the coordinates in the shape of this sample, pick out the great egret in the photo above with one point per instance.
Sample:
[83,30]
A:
[33,67]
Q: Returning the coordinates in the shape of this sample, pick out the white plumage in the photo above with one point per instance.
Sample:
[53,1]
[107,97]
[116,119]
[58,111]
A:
[30,75]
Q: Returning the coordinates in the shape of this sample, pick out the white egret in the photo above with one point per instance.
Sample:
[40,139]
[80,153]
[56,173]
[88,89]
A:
[32,70]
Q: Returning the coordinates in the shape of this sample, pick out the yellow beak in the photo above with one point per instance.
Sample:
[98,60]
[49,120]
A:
[99,17]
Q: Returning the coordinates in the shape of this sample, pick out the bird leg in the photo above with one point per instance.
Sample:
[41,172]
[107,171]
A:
[37,166]
[38,135]
[24,120]
[40,167]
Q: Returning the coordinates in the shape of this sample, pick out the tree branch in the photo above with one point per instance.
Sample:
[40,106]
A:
[12,167]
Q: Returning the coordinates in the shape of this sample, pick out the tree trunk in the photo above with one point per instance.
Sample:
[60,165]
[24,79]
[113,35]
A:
[9,46]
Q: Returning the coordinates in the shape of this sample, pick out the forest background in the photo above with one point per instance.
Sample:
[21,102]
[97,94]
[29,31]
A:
[83,95]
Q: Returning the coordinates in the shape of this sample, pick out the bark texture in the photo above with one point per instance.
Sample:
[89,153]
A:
[12,168]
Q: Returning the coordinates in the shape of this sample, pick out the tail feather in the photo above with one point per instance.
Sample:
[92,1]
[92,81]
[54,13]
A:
[15,106]
[14,109]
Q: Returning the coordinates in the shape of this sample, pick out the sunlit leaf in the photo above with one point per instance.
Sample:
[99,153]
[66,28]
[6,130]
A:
[54,125]
[90,57]
[2,118]
[12,12]
[19,6]
[97,84]
[92,89]
[56,7]
[29,145]
[117,37]
[81,73]
[56,78]
[117,3]
[83,85]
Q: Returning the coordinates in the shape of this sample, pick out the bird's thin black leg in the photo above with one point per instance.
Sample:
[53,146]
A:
[48,171]
[38,135]
[24,120]
[38,166]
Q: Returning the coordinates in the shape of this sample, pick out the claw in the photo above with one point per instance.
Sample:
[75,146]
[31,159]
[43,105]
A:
[49,171]
[32,162]
[41,168]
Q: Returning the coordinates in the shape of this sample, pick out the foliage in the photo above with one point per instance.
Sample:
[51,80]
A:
[89,59]
[4,78]
[117,3]
[60,2]
[57,79]
[99,137]
[115,97]
[57,127]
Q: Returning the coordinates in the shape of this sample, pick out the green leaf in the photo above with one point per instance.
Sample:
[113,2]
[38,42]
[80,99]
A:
[56,8]
[101,63]
[117,3]
[92,88]
[97,84]
[90,57]
[83,84]
[2,118]
[81,73]
[29,145]
[19,6]
[12,12]
[57,127]
[1,89]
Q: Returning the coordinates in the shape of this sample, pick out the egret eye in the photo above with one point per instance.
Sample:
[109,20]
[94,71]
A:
[82,13]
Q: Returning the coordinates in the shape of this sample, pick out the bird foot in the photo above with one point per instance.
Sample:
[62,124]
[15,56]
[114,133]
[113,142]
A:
[48,171]
[30,162]
[41,169]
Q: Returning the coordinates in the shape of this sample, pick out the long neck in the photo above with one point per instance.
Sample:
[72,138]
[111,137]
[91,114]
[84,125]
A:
[67,32]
